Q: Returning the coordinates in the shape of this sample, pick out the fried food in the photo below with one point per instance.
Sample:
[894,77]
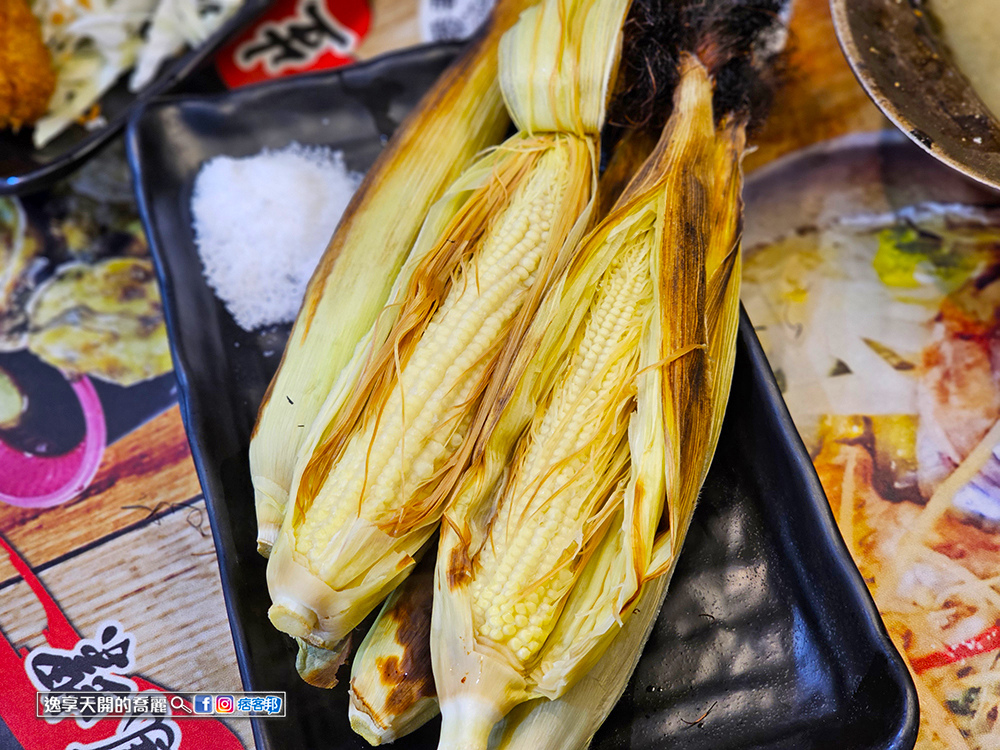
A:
[27,78]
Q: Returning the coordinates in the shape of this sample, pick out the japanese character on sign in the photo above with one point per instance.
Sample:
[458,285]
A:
[94,664]
[297,41]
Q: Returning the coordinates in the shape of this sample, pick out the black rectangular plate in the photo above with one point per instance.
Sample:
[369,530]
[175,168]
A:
[25,169]
[768,638]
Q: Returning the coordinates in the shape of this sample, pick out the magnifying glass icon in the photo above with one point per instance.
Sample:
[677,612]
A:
[177,703]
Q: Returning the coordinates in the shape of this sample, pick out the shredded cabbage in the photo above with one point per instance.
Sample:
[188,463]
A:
[94,42]
[175,24]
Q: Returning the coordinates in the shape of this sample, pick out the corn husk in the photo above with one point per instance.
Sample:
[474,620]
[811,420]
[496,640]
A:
[386,704]
[392,689]
[570,721]
[461,115]
[636,490]
[319,666]
[398,427]
[322,598]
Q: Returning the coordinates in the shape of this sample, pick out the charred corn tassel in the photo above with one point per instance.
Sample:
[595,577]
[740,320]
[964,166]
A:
[392,688]
[397,430]
[459,117]
[615,413]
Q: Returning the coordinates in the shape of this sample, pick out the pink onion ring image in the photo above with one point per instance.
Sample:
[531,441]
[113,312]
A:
[32,481]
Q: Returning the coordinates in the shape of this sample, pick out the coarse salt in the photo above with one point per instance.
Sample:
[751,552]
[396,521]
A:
[261,224]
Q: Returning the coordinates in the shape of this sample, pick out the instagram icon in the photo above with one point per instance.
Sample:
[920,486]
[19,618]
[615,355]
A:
[224,704]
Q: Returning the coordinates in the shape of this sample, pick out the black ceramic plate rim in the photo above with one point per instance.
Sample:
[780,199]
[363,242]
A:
[221,535]
[817,504]
[906,737]
[181,68]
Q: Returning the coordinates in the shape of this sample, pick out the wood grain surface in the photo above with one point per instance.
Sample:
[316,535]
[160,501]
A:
[149,468]
[161,582]
[395,25]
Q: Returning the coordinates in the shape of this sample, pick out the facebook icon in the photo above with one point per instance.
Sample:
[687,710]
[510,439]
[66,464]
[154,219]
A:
[203,704]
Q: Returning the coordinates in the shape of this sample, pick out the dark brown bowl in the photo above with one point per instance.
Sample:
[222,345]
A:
[905,68]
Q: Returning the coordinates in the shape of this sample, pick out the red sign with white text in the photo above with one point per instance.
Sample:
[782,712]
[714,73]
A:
[295,36]
[69,662]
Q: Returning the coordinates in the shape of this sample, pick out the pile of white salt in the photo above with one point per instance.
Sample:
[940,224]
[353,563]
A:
[261,224]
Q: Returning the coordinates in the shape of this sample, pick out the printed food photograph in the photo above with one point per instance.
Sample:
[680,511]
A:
[499,374]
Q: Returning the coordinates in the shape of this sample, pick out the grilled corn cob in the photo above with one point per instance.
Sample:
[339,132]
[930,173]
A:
[539,565]
[570,721]
[461,115]
[369,489]
[387,703]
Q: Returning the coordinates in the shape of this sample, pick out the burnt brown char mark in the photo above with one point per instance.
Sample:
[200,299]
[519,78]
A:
[459,567]
[409,677]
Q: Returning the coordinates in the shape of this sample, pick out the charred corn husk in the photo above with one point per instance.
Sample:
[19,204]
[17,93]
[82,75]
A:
[392,689]
[608,429]
[398,427]
[628,154]
[460,116]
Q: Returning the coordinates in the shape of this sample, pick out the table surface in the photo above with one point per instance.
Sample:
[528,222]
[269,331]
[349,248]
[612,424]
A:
[140,527]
